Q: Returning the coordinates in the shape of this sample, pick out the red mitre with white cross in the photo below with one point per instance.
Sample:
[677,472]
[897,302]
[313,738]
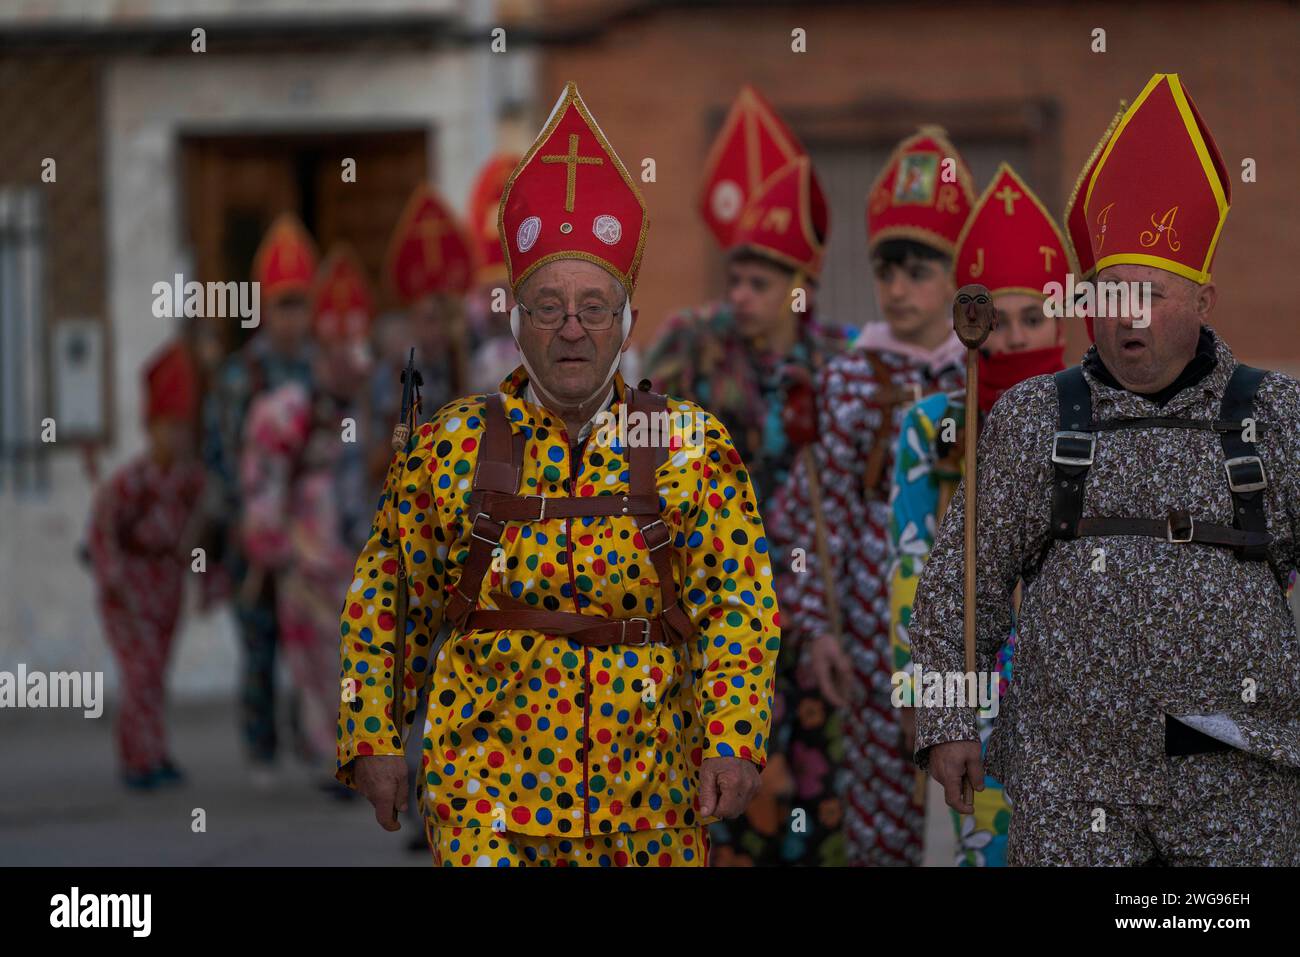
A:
[344,305]
[571,198]
[484,204]
[786,219]
[1160,192]
[285,262]
[924,193]
[428,253]
[753,144]
[1010,242]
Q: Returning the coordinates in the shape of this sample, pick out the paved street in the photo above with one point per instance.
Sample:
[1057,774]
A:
[61,803]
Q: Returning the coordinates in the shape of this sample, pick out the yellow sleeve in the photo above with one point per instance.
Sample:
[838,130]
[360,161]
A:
[369,616]
[729,594]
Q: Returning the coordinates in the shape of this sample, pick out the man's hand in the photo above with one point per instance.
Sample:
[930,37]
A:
[727,785]
[832,669]
[952,761]
[382,779]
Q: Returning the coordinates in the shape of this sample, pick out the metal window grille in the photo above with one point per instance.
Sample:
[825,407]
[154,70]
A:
[23,466]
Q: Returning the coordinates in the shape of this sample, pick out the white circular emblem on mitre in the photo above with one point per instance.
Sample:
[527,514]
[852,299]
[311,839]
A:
[526,236]
[607,229]
[726,200]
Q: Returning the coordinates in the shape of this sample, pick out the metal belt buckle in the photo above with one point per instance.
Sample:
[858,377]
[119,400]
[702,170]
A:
[1254,486]
[541,517]
[645,528]
[645,632]
[473,534]
[1060,459]
[1169,530]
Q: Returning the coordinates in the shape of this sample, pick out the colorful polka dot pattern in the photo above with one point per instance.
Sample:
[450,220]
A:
[539,734]
[484,847]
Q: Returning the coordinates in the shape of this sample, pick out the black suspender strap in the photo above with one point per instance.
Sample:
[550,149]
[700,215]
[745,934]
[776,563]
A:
[1246,478]
[1072,451]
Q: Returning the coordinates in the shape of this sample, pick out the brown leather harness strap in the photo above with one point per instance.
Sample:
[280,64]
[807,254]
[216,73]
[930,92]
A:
[888,397]
[1178,527]
[495,500]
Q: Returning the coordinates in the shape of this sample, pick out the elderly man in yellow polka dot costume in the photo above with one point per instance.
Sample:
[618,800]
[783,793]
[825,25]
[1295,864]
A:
[605,691]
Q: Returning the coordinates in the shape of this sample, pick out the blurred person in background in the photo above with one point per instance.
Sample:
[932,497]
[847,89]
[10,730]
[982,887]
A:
[278,353]
[141,530]
[306,500]
[747,358]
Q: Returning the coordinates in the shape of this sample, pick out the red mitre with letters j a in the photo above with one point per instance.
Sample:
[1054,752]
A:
[571,198]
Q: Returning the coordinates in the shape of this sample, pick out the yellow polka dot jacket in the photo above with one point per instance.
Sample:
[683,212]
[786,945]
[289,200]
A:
[541,735]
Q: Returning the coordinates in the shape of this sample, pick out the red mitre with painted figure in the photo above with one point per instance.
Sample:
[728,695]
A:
[1010,243]
[171,384]
[344,305]
[285,262]
[484,204]
[787,219]
[571,198]
[753,144]
[428,253]
[924,193]
[1160,192]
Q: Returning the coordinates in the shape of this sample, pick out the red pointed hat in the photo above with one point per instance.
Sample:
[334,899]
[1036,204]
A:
[910,199]
[344,305]
[285,262]
[1160,192]
[786,219]
[171,384]
[1010,242]
[1076,227]
[571,197]
[752,145]
[484,203]
[428,252]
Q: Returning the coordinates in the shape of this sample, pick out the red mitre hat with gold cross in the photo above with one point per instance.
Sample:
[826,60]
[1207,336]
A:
[1010,243]
[571,197]
[344,305]
[786,219]
[753,144]
[1160,192]
[285,262]
[924,193]
[484,204]
[428,253]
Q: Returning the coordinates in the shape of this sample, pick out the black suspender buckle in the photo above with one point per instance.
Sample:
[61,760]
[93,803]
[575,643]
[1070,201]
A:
[1246,474]
[1073,448]
[1179,527]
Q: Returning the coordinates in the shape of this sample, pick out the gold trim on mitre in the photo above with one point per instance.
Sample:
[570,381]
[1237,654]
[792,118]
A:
[1078,183]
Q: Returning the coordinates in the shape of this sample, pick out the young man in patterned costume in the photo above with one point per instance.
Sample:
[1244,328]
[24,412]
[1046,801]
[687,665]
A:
[278,353]
[916,210]
[605,692]
[1148,499]
[1011,246]
[743,358]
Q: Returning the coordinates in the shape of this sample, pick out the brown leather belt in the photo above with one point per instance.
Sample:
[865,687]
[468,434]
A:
[535,508]
[584,629]
[1178,527]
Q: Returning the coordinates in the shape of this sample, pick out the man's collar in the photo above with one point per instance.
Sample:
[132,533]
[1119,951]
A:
[1208,371]
[524,406]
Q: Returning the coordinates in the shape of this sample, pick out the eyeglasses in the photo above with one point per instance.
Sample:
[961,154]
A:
[551,317]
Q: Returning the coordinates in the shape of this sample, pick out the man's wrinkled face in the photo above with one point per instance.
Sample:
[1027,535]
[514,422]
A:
[571,362]
[757,293]
[288,322]
[914,294]
[1148,359]
[1019,324]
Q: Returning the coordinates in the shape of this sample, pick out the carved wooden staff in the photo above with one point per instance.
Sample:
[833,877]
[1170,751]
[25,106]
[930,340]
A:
[972,320]
[407,418]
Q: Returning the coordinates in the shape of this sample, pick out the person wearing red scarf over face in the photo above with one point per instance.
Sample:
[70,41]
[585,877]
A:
[1010,245]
